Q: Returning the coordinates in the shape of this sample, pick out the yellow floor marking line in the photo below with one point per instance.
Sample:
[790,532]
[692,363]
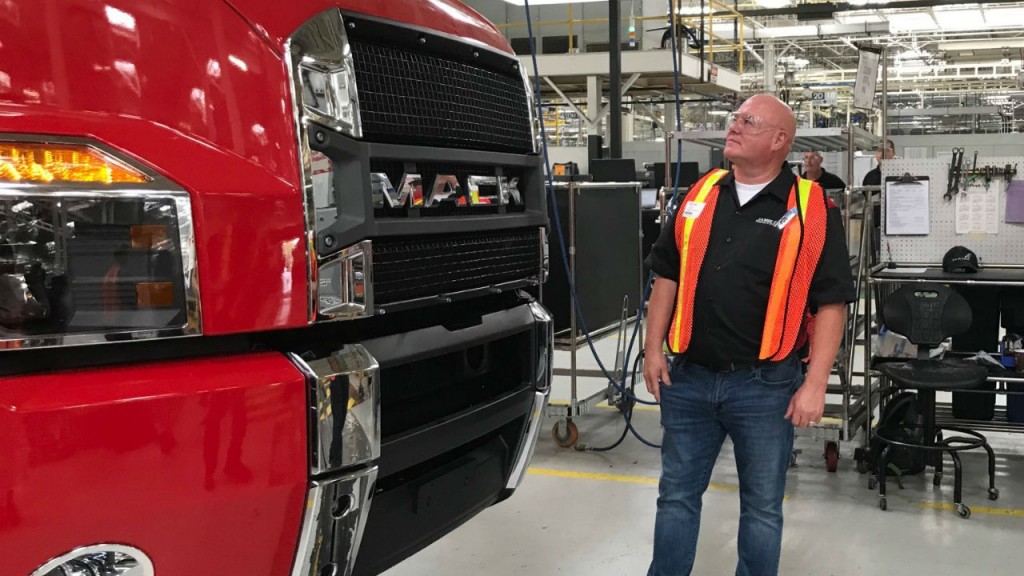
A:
[605,406]
[644,480]
[1014,513]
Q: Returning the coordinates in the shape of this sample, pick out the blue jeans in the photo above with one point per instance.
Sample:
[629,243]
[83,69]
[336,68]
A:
[697,411]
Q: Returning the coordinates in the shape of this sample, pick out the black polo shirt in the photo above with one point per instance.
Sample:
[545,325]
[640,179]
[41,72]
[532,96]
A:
[828,180]
[731,300]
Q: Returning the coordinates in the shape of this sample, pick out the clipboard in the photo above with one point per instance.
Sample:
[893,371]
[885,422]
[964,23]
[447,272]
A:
[906,201]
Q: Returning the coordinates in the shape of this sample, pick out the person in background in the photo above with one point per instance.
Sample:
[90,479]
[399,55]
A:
[888,152]
[814,171]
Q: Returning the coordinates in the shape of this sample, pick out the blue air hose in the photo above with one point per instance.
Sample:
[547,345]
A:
[619,386]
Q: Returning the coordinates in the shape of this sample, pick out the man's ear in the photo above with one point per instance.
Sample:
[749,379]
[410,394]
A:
[780,140]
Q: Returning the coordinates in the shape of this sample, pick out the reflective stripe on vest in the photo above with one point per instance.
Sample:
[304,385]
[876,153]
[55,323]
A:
[803,239]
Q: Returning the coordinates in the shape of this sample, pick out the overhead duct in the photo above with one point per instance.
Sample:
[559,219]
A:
[815,31]
[958,46]
[955,111]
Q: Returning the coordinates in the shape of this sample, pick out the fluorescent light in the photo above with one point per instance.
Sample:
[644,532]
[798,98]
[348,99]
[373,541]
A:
[772,3]
[960,19]
[549,2]
[1003,17]
[858,18]
[911,21]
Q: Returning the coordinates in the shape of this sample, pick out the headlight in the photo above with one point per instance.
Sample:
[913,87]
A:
[105,559]
[323,74]
[92,248]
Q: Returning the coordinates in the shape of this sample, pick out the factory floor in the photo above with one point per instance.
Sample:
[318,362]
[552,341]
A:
[592,514]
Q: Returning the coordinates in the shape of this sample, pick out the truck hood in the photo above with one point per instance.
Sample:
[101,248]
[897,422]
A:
[277,20]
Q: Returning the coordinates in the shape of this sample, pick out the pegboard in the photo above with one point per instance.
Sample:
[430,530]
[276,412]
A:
[1006,247]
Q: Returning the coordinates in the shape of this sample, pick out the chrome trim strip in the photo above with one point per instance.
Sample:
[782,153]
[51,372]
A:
[349,293]
[449,297]
[333,524]
[531,102]
[545,255]
[528,442]
[159,188]
[143,566]
[545,337]
[344,382]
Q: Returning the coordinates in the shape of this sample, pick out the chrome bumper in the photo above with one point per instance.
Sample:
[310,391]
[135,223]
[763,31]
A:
[344,393]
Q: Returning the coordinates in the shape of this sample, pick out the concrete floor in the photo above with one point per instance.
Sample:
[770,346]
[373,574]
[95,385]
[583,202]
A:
[586,513]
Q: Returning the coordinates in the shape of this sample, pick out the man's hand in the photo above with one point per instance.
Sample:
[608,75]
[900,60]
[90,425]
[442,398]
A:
[807,405]
[655,372]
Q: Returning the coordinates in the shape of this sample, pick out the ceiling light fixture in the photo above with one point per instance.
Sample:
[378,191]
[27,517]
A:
[772,3]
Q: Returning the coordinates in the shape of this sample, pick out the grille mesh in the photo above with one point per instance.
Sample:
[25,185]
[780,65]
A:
[410,268]
[420,99]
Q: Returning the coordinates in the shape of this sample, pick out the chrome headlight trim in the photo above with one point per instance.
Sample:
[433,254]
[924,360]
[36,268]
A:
[323,74]
[345,283]
[320,44]
[127,560]
[344,382]
[157,188]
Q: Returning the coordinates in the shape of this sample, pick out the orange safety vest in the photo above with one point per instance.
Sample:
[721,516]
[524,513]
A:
[803,239]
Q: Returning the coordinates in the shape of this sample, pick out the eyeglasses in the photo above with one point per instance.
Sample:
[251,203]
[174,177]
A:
[751,124]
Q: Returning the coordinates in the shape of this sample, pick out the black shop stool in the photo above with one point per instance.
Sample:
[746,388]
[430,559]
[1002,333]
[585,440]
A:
[927,314]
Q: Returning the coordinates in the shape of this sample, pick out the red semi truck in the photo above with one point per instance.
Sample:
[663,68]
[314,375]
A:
[266,277]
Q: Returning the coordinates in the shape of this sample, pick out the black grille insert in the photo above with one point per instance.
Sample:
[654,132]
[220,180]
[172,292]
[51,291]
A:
[435,388]
[408,268]
[417,98]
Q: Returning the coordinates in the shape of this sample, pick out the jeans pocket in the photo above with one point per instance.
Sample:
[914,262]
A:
[778,374]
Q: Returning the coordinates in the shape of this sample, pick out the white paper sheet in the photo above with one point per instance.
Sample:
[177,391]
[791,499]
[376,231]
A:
[906,208]
[977,209]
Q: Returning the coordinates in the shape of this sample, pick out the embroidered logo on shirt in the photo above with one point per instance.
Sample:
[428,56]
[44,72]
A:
[781,222]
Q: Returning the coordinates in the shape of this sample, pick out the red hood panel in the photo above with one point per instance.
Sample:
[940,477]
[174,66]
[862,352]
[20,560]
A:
[278,20]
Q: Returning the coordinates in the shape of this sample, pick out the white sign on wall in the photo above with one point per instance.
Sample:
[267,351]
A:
[867,76]
[823,98]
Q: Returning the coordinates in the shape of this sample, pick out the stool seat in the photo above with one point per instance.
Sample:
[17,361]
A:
[935,374]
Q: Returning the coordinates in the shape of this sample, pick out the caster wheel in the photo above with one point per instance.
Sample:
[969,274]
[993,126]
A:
[963,511]
[831,456]
[872,483]
[993,493]
[937,480]
[571,435]
[883,504]
[862,467]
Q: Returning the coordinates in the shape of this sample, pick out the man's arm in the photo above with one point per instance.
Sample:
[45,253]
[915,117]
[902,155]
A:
[808,404]
[659,314]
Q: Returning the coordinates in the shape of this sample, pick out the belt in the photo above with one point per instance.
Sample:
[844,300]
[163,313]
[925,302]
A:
[723,366]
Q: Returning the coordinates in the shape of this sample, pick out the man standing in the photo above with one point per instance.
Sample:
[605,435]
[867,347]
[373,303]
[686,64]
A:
[887,152]
[814,171]
[749,253]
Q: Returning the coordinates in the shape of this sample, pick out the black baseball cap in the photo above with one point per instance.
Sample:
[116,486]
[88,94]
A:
[960,259]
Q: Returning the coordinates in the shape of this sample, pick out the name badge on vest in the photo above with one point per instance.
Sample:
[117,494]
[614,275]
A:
[693,209]
[786,218]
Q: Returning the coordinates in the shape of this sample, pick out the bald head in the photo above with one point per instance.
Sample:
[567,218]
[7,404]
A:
[761,136]
[776,112]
